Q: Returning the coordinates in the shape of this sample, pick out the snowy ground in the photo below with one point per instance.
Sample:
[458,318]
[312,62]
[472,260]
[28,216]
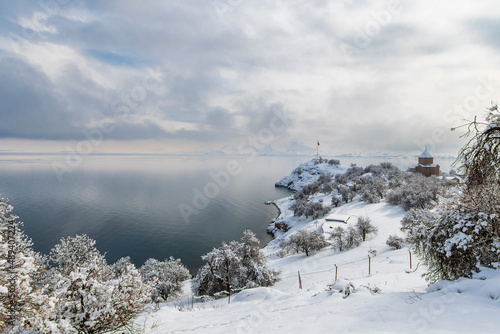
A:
[404,303]
[401,306]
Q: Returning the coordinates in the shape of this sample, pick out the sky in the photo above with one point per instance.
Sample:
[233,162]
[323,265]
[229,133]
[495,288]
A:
[128,76]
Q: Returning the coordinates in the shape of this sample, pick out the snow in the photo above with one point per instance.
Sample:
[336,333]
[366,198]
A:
[307,173]
[425,154]
[392,298]
[338,218]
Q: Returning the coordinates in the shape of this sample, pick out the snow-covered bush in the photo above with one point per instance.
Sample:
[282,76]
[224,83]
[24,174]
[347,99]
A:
[463,233]
[299,207]
[316,210]
[165,277]
[365,227]
[234,266]
[341,178]
[395,241]
[303,207]
[373,190]
[416,191]
[343,286]
[458,237]
[305,241]
[334,162]
[93,297]
[21,305]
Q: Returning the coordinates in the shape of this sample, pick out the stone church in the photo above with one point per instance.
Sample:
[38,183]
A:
[426,165]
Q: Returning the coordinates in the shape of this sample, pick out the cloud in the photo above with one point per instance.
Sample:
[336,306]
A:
[226,69]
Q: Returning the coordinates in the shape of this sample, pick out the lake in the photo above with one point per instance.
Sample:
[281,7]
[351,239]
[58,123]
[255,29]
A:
[148,206]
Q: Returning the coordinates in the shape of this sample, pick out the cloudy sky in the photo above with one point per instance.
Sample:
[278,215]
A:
[185,75]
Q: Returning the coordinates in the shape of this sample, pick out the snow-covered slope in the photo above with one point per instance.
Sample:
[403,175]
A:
[391,298]
[306,173]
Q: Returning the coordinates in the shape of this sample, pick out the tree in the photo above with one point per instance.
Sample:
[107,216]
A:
[364,227]
[463,233]
[336,200]
[346,193]
[305,241]
[166,277]
[480,157]
[93,297]
[234,266]
[21,305]
[338,237]
[351,237]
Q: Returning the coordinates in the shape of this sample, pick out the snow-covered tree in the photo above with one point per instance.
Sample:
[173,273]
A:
[166,277]
[463,233]
[336,199]
[480,157]
[234,266]
[338,237]
[352,237]
[365,227]
[416,191]
[93,297]
[346,193]
[316,210]
[373,190]
[394,241]
[305,241]
[21,305]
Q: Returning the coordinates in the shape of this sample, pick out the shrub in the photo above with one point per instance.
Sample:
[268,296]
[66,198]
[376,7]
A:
[461,236]
[395,241]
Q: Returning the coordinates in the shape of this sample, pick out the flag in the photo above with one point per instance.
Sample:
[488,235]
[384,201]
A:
[318,143]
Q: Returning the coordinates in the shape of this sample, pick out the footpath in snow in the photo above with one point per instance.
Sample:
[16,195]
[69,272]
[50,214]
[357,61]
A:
[392,298]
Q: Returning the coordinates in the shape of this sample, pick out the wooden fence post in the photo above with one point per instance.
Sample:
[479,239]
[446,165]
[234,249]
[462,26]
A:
[300,282]
[410,257]
[369,264]
[336,268]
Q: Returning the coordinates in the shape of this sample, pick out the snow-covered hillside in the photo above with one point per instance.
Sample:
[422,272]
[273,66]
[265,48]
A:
[307,173]
[391,298]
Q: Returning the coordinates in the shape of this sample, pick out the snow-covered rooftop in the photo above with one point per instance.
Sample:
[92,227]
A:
[337,218]
[425,154]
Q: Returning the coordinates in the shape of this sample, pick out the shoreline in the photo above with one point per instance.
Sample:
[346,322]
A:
[277,208]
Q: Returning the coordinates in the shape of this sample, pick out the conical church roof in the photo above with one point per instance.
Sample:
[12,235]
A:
[425,154]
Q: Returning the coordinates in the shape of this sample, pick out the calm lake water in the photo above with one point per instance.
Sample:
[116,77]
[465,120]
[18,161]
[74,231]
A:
[137,205]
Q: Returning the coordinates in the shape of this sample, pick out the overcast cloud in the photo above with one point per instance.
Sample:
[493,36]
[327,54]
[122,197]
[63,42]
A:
[359,76]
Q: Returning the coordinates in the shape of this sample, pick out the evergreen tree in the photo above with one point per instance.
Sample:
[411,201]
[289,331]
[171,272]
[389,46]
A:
[93,297]
[21,305]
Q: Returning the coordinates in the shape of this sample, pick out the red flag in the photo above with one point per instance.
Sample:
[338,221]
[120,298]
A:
[318,143]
